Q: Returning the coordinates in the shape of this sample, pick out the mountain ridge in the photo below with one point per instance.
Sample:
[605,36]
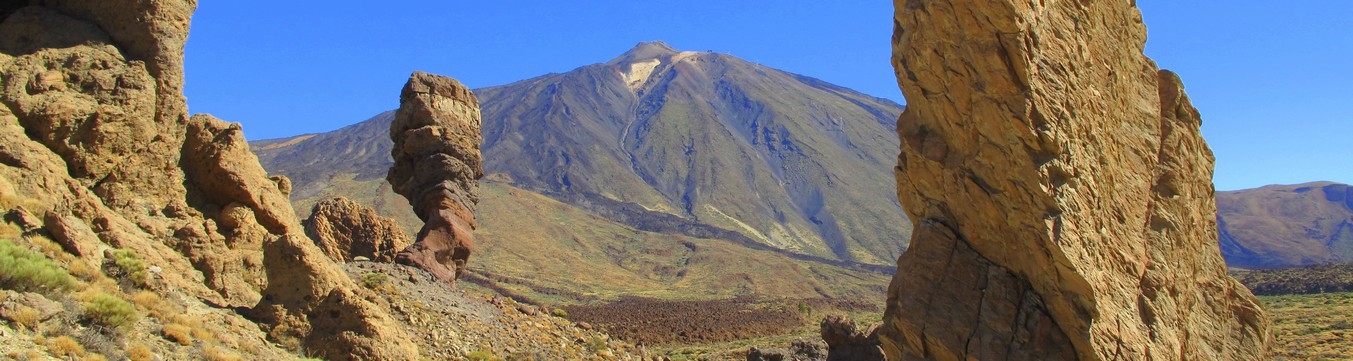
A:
[1286,225]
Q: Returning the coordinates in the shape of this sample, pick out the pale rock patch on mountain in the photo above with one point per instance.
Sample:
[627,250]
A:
[1061,194]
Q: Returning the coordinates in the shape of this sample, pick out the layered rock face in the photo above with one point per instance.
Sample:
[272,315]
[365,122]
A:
[437,167]
[1060,190]
[345,230]
[95,136]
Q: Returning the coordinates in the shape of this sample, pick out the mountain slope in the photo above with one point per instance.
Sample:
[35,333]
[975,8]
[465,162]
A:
[783,160]
[786,160]
[1287,225]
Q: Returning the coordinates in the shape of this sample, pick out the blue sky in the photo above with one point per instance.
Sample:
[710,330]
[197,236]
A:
[1272,80]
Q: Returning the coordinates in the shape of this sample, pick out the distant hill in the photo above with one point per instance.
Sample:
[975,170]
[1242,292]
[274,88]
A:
[779,159]
[1287,225]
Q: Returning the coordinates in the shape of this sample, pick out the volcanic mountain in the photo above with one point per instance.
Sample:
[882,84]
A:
[695,143]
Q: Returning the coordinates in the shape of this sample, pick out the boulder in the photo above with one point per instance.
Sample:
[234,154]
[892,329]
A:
[347,231]
[848,341]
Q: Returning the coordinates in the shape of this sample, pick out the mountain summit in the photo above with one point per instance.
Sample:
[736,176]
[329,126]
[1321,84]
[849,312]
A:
[644,51]
[786,160]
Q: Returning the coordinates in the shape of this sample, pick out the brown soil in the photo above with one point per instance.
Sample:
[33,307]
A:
[659,322]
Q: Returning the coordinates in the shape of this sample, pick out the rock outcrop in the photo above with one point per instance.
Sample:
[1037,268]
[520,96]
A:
[1060,190]
[437,167]
[95,136]
[344,229]
[849,341]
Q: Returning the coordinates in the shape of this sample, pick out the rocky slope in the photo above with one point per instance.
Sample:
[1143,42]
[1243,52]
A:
[1061,190]
[781,159]
[133,231]
[97,138]
[1287,225]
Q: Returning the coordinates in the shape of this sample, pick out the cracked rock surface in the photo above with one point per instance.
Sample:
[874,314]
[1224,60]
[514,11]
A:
[1060,190]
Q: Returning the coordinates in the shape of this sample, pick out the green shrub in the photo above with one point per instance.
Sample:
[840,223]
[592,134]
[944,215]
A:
[127,260]
[374,280]
[24,270]
[559,312]
[111,311]
[481,355]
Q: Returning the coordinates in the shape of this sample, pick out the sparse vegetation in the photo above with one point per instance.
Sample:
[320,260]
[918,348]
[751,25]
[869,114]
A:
[135,269]
[27,316]
[64,346]
[139,352]
[177,333]
[83,270]
[596,343]
[481,355]
[374,280]
[217,353]
[110,311]
[24,270]
[1312,327]
[151,302]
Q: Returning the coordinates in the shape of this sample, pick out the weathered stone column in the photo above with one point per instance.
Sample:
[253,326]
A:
[1060,190]
[437,167]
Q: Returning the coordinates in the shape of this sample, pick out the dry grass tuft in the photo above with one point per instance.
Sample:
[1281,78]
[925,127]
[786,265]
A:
[28,317]
[178,333]
[139,352]
[216,353]
[85,271]
[64,346]
[152,303]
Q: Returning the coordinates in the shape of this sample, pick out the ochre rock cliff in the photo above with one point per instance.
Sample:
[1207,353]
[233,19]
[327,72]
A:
[95,137]
[437,167]
[345,229]
[1060,190]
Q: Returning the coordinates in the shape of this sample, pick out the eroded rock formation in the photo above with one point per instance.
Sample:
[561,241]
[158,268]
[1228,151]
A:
[95,136]
[1060,190]
[850,341]
[344,229]
[437,167]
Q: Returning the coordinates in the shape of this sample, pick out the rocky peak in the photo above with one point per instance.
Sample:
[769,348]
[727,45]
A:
[644,51]
[1061,193]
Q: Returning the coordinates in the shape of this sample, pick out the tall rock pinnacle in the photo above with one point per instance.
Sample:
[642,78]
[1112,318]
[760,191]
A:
[437,167]
[1060,190]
